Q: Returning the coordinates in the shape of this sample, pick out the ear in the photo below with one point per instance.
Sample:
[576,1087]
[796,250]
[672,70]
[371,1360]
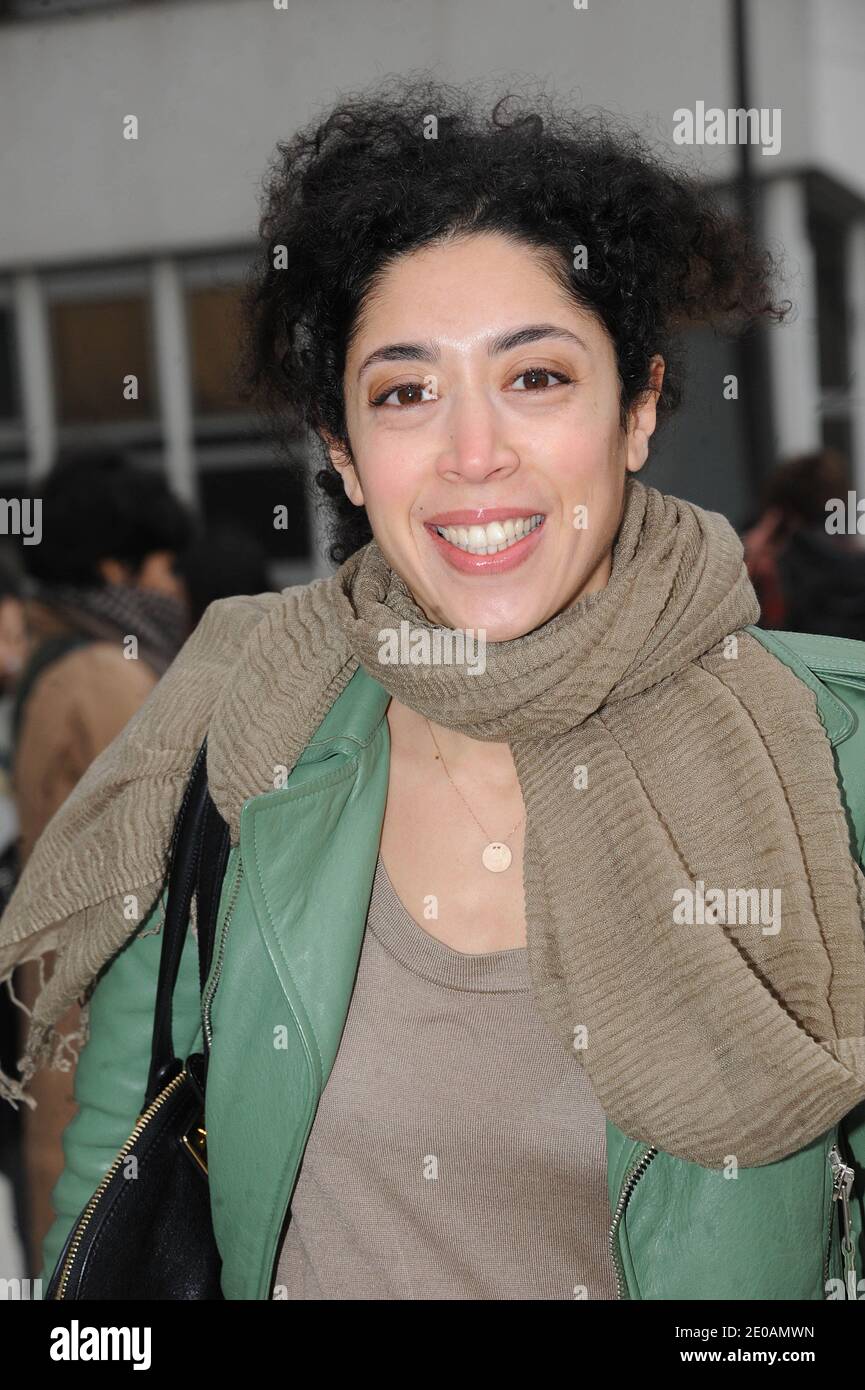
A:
[342,462]
[114,572]
[644,418]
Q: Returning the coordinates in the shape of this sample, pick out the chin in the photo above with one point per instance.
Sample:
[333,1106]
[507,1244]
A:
[499,620]
[495,627]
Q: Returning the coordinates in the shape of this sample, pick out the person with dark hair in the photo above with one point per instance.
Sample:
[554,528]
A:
[106,522]
[807,578]
[106,613]
[13,655]
[474,1025]
[13,649]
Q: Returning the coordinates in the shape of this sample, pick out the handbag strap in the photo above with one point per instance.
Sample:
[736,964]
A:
[199,851]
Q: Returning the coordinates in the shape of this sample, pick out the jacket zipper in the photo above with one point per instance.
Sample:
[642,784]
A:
[842,1184]
[636,1171]
[214,978]
[87,1215]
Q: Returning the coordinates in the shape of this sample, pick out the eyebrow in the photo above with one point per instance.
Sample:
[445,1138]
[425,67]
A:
[502,342]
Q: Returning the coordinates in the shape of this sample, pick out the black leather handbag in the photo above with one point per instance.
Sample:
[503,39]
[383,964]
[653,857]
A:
[147,1232]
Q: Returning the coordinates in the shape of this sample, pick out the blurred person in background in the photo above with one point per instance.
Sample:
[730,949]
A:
[807,579]
[106,613]
[13,651]
[13,654]
[104,573]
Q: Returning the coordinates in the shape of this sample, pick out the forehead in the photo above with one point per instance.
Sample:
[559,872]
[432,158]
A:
[464,291]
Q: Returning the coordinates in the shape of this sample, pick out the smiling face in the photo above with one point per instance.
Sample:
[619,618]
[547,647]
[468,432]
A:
[482,406]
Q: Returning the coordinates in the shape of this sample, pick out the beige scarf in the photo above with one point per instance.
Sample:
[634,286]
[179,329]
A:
[695,916]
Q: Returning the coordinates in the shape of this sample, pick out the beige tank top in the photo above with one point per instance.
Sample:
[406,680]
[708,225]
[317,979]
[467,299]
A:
[458,1150]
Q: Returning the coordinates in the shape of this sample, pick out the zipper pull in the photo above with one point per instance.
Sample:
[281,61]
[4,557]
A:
[842,1186]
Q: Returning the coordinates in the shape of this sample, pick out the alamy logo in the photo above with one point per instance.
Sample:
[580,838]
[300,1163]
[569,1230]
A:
[77,1343]
[845,518]
[744,906]
[21,516]
[735,126]
[20,1290]
[439,646]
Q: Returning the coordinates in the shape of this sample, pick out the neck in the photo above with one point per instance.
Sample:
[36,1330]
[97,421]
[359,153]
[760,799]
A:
[470,757]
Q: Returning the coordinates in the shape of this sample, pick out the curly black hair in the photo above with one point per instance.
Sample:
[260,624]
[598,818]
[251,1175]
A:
[348,194]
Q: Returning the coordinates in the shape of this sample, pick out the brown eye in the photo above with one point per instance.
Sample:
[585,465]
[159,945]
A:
[402,393]
[416,391]
[541,379]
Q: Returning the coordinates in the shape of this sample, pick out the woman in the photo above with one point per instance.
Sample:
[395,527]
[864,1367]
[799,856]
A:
[526,736]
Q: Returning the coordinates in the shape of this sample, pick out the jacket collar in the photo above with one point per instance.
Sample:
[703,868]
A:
[351,721]
[805,655]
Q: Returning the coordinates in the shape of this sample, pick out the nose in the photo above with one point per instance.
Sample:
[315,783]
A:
[476,447]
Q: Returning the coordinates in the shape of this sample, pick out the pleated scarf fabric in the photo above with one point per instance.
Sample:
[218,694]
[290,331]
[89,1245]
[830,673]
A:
[678,785]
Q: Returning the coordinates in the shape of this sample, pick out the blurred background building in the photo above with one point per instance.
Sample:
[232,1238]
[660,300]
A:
[122,256]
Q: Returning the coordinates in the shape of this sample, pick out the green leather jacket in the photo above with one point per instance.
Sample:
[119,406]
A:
[291,922]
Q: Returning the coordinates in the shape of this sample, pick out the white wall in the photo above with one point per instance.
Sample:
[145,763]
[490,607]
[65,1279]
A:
[838,32]
[215,83]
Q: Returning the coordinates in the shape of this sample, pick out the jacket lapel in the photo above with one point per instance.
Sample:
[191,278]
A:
[308,854]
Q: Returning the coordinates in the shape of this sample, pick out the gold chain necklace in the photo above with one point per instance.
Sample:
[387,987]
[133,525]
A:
[496,856]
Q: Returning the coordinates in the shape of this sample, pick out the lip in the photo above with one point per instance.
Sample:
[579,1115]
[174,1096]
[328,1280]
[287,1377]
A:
[499,563]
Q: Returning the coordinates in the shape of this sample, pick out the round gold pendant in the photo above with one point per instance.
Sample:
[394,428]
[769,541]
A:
[496,857]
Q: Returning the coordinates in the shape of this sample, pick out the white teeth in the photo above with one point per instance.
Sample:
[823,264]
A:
[488,540]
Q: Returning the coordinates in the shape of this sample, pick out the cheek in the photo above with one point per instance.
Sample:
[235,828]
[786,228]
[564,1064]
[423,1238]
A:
[589,477]
[390,481]
[583,452]
[590,425]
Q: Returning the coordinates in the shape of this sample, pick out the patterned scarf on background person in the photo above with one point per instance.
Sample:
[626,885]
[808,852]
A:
[159,621]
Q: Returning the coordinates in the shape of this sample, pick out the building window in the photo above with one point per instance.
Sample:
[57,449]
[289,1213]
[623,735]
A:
[214,320]
[239,480]
[103,329]
[12,440]
[10,402]
[97,345]
[829,230]
[251,496]
[832,299]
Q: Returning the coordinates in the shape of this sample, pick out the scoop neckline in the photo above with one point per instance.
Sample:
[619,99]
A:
[424,954]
